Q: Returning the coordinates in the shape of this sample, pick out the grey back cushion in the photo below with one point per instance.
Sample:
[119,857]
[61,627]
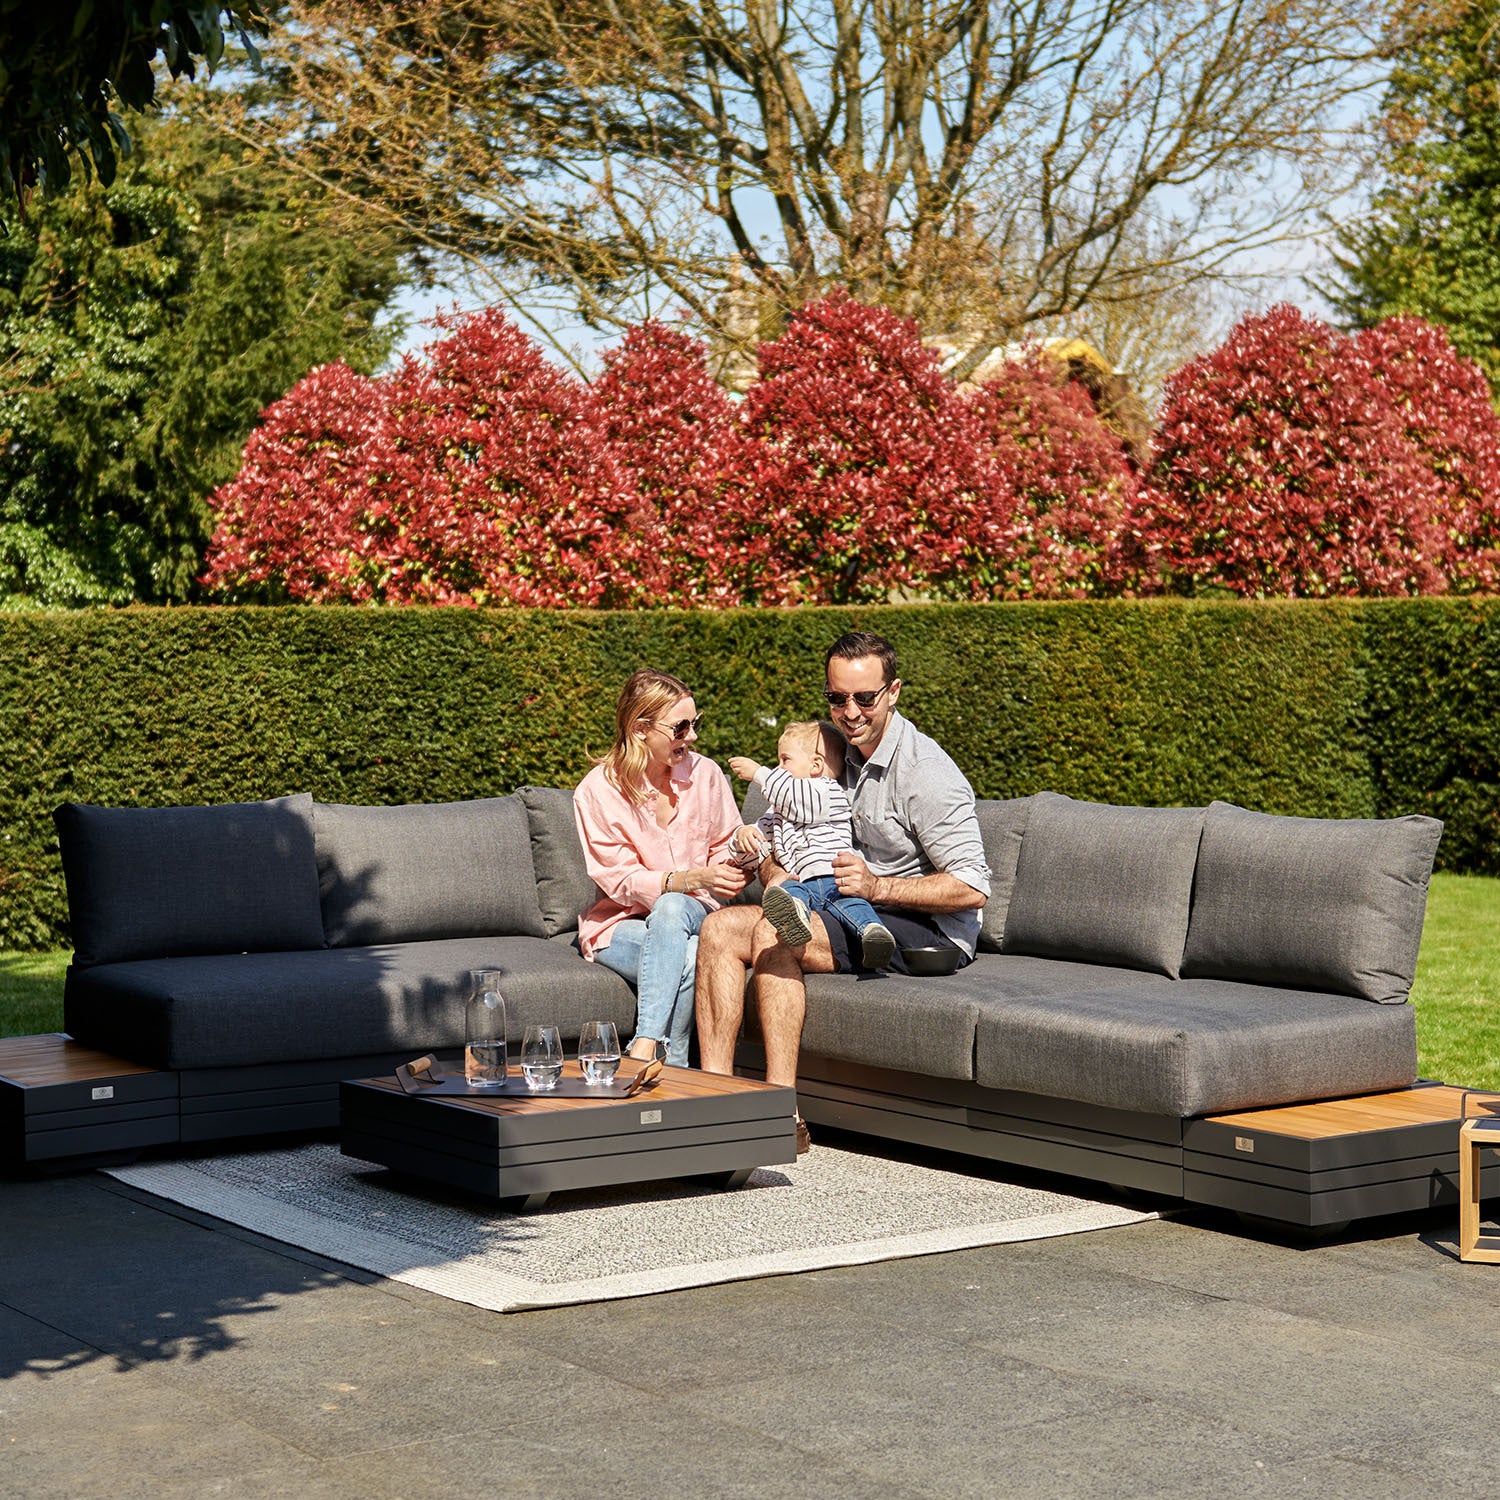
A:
[163,882]
[1104,885]
[1330,904]
[563,885]
[752,808]
[425,871]
[755,806]
[1001,826]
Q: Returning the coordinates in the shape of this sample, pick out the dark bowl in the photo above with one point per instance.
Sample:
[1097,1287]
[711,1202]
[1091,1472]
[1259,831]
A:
[929,961]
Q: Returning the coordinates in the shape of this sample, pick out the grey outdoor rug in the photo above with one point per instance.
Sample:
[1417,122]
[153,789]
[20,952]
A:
[832,1208]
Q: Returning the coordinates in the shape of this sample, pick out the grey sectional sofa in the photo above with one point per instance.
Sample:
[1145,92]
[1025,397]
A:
[266,950]
[1140,969]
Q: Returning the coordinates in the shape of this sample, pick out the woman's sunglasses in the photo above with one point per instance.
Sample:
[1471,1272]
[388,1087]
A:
[680,728]
[865,700]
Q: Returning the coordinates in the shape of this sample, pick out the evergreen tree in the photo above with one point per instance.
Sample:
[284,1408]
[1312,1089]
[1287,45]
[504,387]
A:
[143,328]
[1431,244]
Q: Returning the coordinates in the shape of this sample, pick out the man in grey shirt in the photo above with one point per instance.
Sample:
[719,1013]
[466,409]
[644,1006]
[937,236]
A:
[920,862]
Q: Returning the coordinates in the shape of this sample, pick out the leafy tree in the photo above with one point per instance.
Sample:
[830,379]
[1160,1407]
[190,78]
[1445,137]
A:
[980,165]
[66,61]
[143,327]
[1430,245]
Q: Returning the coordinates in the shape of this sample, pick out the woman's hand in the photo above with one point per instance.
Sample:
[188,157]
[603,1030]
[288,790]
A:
[722,881]
[744,767]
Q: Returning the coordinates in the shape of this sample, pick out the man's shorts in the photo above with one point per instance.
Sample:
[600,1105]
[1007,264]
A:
[909,928]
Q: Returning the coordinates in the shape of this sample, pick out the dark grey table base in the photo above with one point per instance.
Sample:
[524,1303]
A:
[519,1152]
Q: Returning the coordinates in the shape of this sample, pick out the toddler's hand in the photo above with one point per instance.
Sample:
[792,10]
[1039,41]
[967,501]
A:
[748,839]
[744,767]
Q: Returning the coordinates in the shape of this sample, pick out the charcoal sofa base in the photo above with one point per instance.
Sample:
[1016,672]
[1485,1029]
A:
[64,1106]
[219,1104]
[1360,1176]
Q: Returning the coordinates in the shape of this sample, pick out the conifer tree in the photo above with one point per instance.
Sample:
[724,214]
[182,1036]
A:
[143,328]
[1431,243]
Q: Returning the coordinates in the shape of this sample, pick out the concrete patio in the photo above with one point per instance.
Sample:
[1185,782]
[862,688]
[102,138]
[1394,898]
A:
[147,1351]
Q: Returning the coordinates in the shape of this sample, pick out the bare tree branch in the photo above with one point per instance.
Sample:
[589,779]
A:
[983,165]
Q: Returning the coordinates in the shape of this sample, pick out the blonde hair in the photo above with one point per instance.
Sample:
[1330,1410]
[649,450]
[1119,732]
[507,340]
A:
[815,735]
[645,694]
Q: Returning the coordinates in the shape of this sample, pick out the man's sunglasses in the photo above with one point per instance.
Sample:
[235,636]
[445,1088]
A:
[865,700]
[681,727]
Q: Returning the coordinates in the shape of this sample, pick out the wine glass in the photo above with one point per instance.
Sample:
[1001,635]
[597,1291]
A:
[542,1058]
[599,1051]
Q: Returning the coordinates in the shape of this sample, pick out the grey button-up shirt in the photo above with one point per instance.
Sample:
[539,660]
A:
[914,814]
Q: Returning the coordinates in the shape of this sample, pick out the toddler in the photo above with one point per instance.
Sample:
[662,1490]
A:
[808,823]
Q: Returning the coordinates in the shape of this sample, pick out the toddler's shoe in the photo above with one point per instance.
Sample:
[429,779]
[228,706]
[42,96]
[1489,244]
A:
[876,945]
[787,915]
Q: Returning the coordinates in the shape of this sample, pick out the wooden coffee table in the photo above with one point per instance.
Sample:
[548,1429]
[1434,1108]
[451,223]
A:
[518,1149]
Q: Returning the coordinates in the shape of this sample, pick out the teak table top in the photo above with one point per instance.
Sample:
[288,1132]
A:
[673,1083]
[1423,1105]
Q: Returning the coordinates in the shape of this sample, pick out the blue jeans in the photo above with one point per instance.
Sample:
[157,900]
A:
[821,894]
[658,954]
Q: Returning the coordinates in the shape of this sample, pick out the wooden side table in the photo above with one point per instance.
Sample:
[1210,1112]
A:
[1475,1136]
[66,1104]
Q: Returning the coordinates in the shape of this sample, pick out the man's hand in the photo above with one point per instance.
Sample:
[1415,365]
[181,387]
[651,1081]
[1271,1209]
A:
[744,767]
[724,881]
[853,876]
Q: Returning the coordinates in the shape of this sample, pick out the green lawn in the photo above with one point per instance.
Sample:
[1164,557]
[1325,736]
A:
[31,986]
[1457,993]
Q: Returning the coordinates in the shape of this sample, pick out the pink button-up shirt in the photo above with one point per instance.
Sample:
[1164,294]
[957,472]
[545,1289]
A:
[627,851]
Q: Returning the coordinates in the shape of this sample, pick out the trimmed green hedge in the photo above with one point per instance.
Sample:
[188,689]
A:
[1337,709]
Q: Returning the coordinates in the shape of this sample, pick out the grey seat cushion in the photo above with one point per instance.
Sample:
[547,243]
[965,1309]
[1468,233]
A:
[1325,903]
[426,871]
[1101,884]
[1196,1047]
[334,1002]
[150,882]
[927,1025]
[563,887]
[1001,825]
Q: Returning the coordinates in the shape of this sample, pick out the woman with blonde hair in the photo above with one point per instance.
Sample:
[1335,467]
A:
[656,821]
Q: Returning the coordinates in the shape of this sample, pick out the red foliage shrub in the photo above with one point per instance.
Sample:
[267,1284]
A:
[1062,481]
[290,522]
[1447,413]
[1281,467]
[872,473]
[675,433]
[1292,460]
[478,476]
[522,500]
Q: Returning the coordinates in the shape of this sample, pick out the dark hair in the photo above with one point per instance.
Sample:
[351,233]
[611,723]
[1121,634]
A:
[854,645]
